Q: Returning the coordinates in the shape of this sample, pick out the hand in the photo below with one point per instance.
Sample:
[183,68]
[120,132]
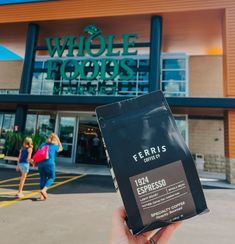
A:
[121,234]
[31,161]
[17,168]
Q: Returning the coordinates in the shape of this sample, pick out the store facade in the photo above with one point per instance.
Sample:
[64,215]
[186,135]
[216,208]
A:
[76,61]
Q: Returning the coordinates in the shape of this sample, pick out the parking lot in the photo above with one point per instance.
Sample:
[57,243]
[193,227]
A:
[80,207]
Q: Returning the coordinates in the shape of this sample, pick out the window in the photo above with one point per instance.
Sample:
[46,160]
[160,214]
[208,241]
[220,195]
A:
[30,126]
[182,125]
[6,91]
[36,83]
[40,123]
[6,124]
[174,75]
[138,85]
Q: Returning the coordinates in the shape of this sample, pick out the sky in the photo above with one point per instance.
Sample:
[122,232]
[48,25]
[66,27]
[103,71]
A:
[6,54]
[3,2]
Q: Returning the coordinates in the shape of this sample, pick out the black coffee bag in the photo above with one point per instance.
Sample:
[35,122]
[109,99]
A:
[153,167]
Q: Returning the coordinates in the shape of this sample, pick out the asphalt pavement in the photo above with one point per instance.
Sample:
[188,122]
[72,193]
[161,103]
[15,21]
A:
[79,211]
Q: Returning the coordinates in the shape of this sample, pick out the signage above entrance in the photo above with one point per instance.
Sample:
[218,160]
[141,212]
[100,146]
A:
[91,56]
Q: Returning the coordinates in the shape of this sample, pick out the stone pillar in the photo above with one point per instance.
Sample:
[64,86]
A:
[230,170]
[230,146]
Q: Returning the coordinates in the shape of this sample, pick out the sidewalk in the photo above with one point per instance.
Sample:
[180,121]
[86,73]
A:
[71,215]
[89,169]
[208,179]
[215,180]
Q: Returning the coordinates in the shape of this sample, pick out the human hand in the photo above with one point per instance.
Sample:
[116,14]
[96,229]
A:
[121,234]
[17,168]
[31,161]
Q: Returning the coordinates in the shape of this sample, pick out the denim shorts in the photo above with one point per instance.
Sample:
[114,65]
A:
[24,167]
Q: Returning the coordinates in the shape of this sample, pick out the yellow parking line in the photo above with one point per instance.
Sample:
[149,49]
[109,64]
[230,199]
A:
[34,193]
[26,184]
[29,184]
[63,177]
[7,203]
[10,192]
[57,177]
[16,178]
[66,181]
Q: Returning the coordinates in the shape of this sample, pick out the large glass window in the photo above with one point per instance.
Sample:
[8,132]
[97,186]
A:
[7,91]
[31,121]
[36,86]
[182,125]
[6,124]
[40,123]
[174,75]
[137,85]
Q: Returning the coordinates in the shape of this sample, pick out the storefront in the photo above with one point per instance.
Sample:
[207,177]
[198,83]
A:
[78,73]
[86,57]
[78,132]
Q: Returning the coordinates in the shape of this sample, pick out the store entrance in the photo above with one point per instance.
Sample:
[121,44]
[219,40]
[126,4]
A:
[90,148]
[67,129]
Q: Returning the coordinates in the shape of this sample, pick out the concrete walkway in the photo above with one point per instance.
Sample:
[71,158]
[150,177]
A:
[82,218]
[89,169]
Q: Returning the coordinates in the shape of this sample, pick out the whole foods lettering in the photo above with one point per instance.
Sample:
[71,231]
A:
[78,55]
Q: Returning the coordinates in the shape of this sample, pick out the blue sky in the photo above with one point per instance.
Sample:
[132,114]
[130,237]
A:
[2,2]
[6,54]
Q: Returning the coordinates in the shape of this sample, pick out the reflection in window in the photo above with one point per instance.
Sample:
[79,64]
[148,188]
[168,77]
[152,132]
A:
[173,75]
[173,63]
[43,124]
[31,121]
[6,124]
[47,87]
[7,91]
[36,83]
[138,84]
[181,122]
[173,88]
[174,80]
[127,88]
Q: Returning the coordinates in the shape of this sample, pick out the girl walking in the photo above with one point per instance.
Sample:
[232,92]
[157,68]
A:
[23,162]
[47,167]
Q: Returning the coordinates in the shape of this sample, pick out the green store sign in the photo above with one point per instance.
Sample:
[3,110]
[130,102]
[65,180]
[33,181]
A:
[103,62]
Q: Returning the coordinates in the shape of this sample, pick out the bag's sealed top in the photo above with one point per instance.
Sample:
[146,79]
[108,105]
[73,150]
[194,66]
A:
[154,169]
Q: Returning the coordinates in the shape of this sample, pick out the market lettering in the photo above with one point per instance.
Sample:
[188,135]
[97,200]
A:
[99,64]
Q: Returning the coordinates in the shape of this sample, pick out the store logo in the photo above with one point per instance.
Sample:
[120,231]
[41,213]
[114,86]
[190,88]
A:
[149,154]
[91,56]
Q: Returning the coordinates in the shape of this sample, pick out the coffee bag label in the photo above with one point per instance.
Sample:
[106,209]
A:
[163,193]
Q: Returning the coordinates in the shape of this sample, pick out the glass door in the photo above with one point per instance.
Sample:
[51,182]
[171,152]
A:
[90,149]
[67,126]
